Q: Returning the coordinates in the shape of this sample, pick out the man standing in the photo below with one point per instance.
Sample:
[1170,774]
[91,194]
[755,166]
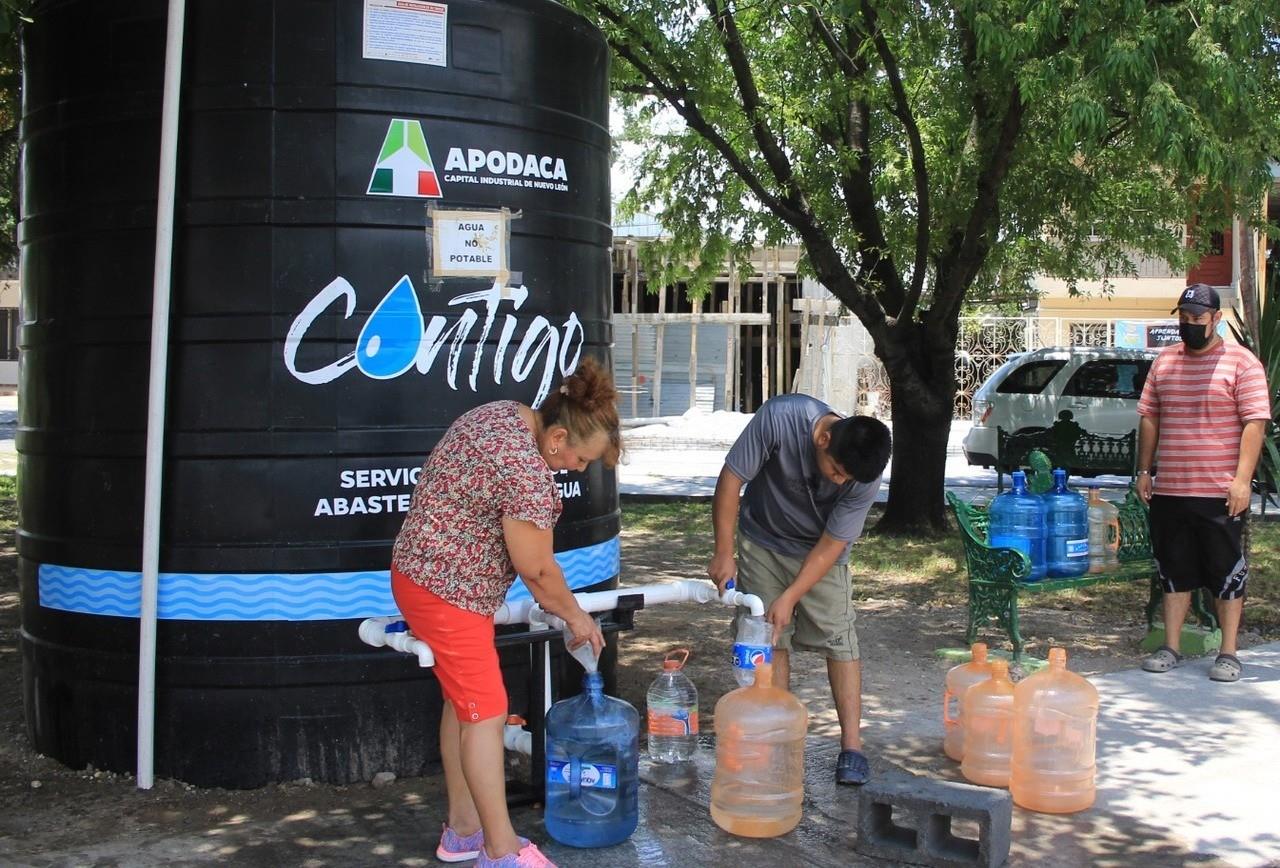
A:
[1204,412]
[811,476]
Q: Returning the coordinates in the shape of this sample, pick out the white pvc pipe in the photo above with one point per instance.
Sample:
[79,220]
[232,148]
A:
[155,398]
[373,631]
[517,738]
[686,591]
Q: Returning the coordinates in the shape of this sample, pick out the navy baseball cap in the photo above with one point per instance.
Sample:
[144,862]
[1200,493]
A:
[1198,298]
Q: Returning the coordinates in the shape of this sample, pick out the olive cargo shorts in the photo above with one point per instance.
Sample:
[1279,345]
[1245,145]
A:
[823,621]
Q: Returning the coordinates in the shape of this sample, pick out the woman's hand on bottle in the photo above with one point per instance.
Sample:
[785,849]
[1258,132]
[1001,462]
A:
[585,629]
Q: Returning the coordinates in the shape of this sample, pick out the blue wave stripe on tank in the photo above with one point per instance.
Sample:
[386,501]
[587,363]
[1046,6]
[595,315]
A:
[271,596]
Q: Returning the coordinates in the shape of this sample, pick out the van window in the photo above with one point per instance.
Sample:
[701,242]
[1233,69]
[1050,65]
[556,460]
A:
[1109,378]
[1031,378]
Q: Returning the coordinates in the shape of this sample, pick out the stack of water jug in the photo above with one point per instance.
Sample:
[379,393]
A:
[1037,738]
[1060,533]
[593,748]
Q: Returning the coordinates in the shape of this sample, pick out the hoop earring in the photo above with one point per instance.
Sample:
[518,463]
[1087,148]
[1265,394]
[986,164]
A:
[553,451]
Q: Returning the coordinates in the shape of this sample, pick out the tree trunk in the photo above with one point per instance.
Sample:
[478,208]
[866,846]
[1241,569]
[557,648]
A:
[921,368]
[917,470]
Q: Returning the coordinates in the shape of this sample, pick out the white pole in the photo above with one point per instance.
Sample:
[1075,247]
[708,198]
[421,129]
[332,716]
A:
[155,398]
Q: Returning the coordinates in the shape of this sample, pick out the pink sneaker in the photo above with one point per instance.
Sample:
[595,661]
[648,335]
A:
[528,857]
[455,848]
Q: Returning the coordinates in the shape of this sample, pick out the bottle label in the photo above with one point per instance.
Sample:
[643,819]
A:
[749,656]
[592,776]
[1078,548]
[669,719]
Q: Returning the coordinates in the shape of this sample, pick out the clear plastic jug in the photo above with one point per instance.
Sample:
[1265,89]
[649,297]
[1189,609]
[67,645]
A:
[1054,739]
[958,682]
[758,788]
[1066,518]
[1104,533]
[988,728]
[593,759]
[672,710]
[1017,522]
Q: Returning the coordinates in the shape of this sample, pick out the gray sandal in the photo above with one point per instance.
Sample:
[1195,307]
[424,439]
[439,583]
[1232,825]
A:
[1226,668]
[1164,659]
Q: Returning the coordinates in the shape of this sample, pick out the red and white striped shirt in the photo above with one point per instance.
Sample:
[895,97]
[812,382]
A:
[1202,403]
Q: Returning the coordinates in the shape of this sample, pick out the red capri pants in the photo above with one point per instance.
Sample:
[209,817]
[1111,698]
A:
[462,642]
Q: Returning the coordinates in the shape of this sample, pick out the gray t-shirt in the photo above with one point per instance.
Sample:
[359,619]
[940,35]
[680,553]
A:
[789,504]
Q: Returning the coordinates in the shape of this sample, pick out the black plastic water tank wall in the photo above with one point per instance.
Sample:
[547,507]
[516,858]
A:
[309,170]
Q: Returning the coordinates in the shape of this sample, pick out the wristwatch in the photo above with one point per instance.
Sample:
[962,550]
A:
[1143,473]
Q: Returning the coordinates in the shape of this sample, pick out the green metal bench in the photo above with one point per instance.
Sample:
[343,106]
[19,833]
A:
[998,576]
[1069,446]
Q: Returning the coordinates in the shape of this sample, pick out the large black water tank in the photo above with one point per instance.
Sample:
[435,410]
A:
[317,352]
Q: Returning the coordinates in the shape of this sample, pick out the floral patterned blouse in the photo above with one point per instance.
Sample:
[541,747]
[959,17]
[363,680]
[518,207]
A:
[486,467]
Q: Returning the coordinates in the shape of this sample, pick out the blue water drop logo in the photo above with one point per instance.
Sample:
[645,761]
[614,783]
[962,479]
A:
[390,338]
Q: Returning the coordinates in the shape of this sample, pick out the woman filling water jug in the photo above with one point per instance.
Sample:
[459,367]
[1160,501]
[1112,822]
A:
[958,682]
[1054,739]
[593,759]
[1066,518]
[759,784]
[988,728]
[1017,522]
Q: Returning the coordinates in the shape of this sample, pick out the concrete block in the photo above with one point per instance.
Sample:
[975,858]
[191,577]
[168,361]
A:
[910,819]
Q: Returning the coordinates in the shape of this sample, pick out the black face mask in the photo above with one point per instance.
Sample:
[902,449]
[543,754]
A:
[1195,336]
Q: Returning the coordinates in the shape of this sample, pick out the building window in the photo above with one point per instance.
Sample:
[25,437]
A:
[1217,244]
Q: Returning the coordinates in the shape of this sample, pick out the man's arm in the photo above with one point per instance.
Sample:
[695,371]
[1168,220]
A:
[1148,437]
[724,521]
[821,558]
[1238,495]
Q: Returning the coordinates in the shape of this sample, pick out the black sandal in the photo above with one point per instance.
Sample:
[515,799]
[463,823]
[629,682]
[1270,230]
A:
[852,768]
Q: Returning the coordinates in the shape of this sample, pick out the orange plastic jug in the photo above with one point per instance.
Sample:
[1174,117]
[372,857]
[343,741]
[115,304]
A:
[759,782]
[1054,739]
[958,682]
[988,728]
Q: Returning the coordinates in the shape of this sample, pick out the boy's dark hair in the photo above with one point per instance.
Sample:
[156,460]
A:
[861,445]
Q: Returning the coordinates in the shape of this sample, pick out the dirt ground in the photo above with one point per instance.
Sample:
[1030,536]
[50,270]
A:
[47,809]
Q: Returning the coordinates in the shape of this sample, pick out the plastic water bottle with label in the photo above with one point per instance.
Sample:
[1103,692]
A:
[672,704]
[584,653]
[752,646]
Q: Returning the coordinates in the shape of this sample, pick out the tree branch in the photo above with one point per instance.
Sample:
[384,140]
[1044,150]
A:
[678,96]
[773,154]
[903,112]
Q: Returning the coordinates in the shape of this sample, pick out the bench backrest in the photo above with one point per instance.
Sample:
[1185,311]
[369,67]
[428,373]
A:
[1068,446]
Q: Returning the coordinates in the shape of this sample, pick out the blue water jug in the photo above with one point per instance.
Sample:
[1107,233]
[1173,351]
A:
[593,768]
[1066,518]
[1016,521]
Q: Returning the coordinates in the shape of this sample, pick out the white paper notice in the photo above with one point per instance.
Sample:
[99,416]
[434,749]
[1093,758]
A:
[469,243]
[410,31]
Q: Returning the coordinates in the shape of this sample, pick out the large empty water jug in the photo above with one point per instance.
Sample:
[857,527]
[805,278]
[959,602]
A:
[1016,521]
[759,783]
[988,728]
[1066,518]
[958,682]
[593,758]
[1104,533]
[1054,739]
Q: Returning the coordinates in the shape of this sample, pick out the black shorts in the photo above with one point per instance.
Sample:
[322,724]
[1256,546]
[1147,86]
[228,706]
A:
[1197,545]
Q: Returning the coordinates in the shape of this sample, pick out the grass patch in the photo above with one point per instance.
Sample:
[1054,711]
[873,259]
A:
[8,487]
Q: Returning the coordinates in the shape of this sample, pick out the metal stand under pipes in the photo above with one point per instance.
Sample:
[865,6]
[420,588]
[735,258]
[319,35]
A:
[392,632]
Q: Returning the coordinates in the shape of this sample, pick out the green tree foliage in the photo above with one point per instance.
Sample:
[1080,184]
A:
[12,14]
[918,149]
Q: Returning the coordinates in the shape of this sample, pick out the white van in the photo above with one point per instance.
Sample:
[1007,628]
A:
[1098,386]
